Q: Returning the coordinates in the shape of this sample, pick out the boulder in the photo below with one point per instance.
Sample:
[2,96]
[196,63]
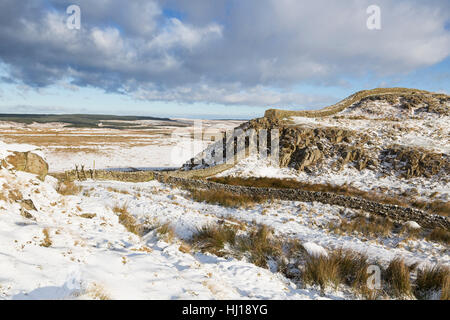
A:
[306,157]
[29,162]
[412,225]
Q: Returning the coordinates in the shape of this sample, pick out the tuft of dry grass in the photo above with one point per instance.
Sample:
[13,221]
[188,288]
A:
[322,271]
[185,248]
[342,266]
[261,246]
[46,242]
[127,220]
[410,234]
[398,278]
[431,280]
[97,292]
[440,235]
[258,245]
[213,238]
[68,188]
[166,232]
[115,190]
[372,226]
[225,199]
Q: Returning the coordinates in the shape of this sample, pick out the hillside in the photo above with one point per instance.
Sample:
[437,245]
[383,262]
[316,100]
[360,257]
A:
[382,140]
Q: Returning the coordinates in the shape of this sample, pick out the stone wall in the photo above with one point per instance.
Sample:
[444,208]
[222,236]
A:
[80,175]
[394,212]
[338,107]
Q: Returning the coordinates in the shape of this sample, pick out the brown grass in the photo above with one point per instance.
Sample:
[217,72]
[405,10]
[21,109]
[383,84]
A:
[258,245]
[127,220]
[261,246]
[213,238]
[321,271]
[372,226]
[342,266]
[440,235]
[46,242]
[68,188]
[97,292]
[433,279]
[73,138]
[166,232]
[437,207]
[111,189]
[398,278]
[224,198]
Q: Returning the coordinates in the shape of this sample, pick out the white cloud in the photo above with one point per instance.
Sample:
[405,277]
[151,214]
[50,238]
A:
[232,52]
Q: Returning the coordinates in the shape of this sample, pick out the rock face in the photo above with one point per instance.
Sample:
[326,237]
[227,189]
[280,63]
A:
[29,162]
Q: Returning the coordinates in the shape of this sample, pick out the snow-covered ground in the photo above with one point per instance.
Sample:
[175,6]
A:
[98,258]
[88,254]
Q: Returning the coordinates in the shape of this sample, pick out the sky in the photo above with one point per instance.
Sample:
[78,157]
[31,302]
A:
[222,59]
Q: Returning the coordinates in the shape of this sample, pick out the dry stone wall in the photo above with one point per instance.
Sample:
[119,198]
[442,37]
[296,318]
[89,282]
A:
[394,212]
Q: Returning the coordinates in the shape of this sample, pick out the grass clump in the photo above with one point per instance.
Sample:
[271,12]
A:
[68,188]
[432,280]
[223,198]
[322,271]
[213,238]
[127,220]
[166,231]
[342,266]
[261,246]
[398,278]
[371,226]
[97,292]
[47,241]
[440,235]
[258,245]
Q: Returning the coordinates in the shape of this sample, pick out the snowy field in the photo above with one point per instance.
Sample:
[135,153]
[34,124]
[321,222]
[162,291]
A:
[97,258]
[102,148]
[74,246]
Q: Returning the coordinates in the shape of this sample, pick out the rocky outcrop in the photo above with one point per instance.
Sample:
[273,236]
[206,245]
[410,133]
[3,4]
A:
[317,146]
[415,162]
[29,162]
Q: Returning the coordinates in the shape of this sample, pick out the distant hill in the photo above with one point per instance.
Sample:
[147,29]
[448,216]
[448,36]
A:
[86,120]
